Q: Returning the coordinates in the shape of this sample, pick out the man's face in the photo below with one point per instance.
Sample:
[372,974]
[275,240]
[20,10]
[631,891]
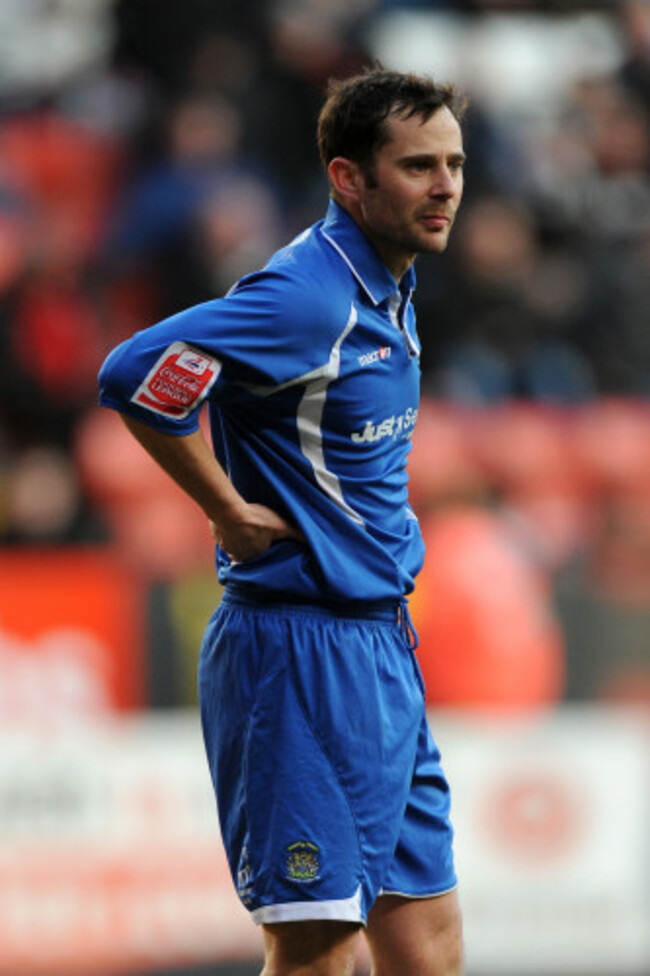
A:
[408,203]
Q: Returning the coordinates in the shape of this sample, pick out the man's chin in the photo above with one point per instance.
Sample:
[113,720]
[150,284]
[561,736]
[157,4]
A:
[435,245]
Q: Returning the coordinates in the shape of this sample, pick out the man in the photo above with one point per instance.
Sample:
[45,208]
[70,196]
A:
[332,803]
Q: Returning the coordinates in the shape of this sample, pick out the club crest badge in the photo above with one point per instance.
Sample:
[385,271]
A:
[302,861]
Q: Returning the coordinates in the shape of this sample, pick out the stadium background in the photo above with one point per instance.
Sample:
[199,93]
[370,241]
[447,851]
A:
[150,153]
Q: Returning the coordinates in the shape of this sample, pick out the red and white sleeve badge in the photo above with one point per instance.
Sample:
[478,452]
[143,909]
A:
[177,382]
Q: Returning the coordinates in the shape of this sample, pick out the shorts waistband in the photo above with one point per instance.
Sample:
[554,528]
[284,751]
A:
[237,594]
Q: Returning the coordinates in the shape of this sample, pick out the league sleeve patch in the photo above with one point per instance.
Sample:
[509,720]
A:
[178,382]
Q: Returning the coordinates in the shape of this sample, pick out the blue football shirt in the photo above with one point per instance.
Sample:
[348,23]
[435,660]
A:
[310,369]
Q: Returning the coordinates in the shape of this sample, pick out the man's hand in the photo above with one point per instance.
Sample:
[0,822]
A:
[242,530]
[252,532]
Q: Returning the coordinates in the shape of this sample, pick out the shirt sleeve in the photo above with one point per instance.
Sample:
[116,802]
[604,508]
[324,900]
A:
[269,330]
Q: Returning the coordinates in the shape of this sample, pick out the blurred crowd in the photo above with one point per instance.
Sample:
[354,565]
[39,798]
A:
[151,152]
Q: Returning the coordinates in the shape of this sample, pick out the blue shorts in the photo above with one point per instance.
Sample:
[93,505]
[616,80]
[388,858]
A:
[328,782]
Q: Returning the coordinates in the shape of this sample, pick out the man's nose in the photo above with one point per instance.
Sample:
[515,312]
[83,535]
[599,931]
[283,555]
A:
[442,184]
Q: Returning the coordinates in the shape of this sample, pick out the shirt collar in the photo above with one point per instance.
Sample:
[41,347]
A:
[346,237]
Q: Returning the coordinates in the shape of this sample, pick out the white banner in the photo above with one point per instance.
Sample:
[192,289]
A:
[553,831]
[110,854]
[110,857]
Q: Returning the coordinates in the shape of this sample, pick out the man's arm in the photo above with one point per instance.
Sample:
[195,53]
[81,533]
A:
[242,530]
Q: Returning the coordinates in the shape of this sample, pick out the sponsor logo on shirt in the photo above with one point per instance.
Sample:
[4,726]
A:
[179,380]
[397,425]
[369,358]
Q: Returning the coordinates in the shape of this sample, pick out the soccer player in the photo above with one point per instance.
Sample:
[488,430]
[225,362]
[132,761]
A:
[333,806]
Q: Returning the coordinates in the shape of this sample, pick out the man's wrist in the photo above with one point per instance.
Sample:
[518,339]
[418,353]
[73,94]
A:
[231,511]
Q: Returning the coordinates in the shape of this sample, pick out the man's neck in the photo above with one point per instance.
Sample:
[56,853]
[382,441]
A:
[397,261]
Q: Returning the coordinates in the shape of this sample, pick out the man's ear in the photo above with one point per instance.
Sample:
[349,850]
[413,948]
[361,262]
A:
[346,178]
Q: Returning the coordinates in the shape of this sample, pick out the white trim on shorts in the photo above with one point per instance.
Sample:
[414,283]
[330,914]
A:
[339,910]
[411,897]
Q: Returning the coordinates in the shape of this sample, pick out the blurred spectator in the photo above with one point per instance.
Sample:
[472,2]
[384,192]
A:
[154,225]
[504,334]
[589,174]
[236,229]
[635,73]
[44,44]
[615,336]
[43,504]
[488,634]
[58,180]
[160,37]
[604,606]
[620,561]
[306,45]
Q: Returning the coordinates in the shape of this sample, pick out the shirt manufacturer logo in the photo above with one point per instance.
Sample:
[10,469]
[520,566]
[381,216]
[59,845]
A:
[376,356]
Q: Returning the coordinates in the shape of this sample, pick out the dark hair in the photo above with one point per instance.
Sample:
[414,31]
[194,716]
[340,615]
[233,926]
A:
[351,122]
